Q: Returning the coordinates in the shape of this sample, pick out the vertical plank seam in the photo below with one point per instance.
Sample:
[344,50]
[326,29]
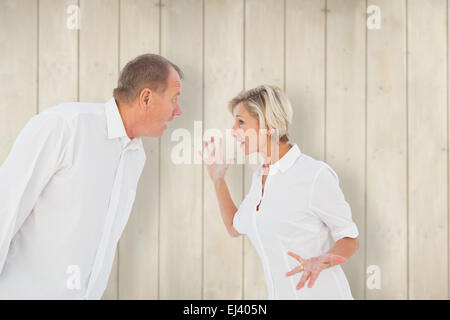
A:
[159,174]
[202,171]
[118,68]
[447,147]
[365,151]
[37,56]
[284,45]
[324,151]
[244,4]
[78,51]
[325,106]
[407,152]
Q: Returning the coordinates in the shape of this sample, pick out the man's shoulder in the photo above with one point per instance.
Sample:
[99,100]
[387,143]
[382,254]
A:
[71,110]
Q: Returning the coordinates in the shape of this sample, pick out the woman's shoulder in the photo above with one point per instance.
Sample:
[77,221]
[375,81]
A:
[307,164]
[307,168]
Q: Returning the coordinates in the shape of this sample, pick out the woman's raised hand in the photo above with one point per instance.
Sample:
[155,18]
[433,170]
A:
[214,160]
[312,267]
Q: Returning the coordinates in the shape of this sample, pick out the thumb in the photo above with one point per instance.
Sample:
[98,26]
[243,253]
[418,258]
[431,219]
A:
[337,259]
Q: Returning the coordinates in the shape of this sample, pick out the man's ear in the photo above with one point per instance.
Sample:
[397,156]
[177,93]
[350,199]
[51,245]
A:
[145,97]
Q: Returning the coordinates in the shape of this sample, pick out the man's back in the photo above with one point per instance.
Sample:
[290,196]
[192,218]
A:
[68,184]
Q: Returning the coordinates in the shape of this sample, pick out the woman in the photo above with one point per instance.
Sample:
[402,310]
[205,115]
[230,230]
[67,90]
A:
[293,202]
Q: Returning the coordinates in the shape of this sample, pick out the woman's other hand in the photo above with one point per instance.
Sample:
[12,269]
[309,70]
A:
[312,267]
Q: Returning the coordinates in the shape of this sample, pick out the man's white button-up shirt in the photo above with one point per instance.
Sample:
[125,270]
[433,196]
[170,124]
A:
[302,202]
[66,192]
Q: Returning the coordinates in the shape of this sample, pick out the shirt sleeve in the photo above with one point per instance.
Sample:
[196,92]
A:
[238,222]
[237,219]
[328,203]
[34,158]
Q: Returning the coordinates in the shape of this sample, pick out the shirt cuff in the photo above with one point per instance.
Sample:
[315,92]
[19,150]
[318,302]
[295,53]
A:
[350,231]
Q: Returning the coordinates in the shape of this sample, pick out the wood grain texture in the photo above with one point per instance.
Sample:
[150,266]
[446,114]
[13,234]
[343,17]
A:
[305,74]
[387,151]
[371,103]
[181,185]
[139,244]
[18,69]
[223,79]
[58,54]
[264,64]
[99,70]
[345,117]
[427,156]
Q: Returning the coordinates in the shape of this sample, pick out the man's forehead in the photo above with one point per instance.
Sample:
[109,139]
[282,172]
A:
[176,87]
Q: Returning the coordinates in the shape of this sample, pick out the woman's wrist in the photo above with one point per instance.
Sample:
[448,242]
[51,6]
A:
[218,181]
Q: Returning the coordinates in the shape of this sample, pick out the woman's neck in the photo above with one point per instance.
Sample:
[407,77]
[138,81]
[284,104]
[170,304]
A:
[279,151]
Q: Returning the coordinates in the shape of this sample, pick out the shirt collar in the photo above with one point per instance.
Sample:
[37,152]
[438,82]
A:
[116,128]
[286,161]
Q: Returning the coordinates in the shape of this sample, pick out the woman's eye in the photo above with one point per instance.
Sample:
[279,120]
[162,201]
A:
[241,122]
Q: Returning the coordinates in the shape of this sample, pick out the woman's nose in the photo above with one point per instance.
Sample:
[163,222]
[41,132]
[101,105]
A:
[233,131]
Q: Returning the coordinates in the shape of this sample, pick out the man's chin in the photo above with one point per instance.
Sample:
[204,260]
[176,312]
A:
[159,133]
[163,129]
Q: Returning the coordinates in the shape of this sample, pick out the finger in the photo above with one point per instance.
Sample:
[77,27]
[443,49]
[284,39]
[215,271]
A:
[208,148]
[296,256]
[305,277]
[213,147]
[294,271]
[313,277]
[220,152]
[206,157]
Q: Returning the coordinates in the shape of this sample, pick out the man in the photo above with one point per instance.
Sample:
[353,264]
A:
[69,183]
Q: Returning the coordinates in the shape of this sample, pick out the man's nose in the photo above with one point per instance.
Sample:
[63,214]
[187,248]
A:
[177,111]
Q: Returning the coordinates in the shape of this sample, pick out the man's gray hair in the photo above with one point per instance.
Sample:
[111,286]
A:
[145,71]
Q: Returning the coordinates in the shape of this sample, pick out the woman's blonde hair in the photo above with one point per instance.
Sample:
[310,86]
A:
[270,106]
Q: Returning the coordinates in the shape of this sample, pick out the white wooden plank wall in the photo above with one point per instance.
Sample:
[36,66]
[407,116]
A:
[373,103]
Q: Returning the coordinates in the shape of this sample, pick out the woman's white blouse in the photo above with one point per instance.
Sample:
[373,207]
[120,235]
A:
[302,202]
